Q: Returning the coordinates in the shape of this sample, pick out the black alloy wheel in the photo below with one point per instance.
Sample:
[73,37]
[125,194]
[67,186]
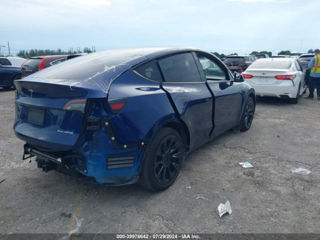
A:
[248,115]
[162,160]
[168,159]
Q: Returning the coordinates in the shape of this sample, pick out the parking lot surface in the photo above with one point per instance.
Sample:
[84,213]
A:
[268,198]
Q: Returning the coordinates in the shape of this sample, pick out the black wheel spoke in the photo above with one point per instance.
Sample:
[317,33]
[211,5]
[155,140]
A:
[175,166]
[177,155]
[169,173]
[159,174]
[168,159]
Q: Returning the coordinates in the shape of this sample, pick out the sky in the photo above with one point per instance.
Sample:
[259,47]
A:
[223,26]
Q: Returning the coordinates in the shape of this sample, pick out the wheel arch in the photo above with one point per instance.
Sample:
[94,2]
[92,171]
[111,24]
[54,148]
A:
[182,129]
[174,123]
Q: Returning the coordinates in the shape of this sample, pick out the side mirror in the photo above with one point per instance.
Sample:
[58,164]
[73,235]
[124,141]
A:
[237,77]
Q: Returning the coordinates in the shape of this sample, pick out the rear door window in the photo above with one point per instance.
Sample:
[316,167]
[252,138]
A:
[211,69]
[150,71]
[180,68]
[4,61]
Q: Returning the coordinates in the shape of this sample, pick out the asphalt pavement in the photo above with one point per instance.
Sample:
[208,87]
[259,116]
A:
[267,198]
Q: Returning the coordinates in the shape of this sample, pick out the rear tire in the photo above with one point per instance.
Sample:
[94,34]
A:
[162,160]
[296,99]
[247,115]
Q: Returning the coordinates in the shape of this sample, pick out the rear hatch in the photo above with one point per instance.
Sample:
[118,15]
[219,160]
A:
[51,104]
[268,71]
[264,76]
[234,61]
[49,115]
[30,66]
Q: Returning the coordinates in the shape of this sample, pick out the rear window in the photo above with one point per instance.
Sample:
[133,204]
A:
[89,66]
[261,56]
[4,61]
[180,68]
[149,70]
[234,60]
[271,64]
[305,58]
[32,64]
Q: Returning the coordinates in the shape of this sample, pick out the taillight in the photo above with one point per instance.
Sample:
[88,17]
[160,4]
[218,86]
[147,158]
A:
[285,77]
[117,104]
[75,105]
[247,76]
[40,67]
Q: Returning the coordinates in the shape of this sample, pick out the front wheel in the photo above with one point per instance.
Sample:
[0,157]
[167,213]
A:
[247,116]
[162,160]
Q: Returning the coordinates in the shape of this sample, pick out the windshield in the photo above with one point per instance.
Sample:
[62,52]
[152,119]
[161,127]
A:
[271,65]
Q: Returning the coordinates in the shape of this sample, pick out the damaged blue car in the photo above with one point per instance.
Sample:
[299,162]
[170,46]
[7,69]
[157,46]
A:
[123,116]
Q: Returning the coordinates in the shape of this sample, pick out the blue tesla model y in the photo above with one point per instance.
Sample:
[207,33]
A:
[130,115]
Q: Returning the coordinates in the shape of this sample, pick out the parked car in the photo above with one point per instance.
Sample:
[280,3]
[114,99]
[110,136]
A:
[261,55]
[68,57]
[239,63]
[35,64]
[12,61]
[123,116]
[8,74]
[278,77]
[304,60]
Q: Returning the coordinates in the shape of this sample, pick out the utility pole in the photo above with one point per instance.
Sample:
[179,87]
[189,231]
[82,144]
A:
[1,46]
[9,49]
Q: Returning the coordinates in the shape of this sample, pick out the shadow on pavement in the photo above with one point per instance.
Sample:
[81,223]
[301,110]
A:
[273,101]
[6,89]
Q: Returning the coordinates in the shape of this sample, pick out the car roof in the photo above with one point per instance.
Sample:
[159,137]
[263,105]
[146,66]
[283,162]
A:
[143,53]
[129,53]
[48,56]
[11,57]
[231,56]
[111,63]
[306,55]
[276,59]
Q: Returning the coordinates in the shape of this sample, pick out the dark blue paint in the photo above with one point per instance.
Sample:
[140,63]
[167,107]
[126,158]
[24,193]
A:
[203,110]
[8,74]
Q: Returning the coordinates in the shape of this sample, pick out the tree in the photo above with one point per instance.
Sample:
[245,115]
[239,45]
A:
[254,53]
[40,52]
[219,55]
[261,52]
[266,52]
[285,52]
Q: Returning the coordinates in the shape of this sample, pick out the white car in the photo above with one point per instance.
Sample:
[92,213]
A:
[12,61]
[277,77]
